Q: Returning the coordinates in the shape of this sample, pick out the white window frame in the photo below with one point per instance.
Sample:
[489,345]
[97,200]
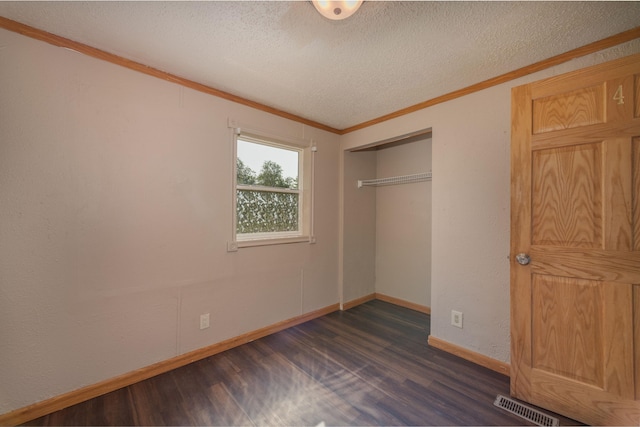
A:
[306,150]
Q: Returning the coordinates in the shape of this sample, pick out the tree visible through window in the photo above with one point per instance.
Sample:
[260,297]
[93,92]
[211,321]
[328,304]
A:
[268,196]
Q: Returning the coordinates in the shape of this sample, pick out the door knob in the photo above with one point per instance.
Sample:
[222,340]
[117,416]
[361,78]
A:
[523,259]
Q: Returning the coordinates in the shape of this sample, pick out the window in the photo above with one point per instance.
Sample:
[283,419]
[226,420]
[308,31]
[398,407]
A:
[272,191]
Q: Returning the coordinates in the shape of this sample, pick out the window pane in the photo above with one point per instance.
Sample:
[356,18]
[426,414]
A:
[260,164]
[266,212]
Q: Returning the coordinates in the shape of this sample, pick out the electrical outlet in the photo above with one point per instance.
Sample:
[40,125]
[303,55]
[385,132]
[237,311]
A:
[204,321]
[456,318]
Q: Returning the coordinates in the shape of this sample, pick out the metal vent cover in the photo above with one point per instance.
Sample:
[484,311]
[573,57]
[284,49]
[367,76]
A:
[523,411]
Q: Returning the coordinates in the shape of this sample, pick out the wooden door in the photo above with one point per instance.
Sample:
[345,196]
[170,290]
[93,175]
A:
[575,210]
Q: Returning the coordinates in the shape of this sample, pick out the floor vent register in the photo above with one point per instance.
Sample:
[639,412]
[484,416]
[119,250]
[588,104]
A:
[525,412]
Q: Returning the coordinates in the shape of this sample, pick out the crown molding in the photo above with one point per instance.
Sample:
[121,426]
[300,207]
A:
[56,40]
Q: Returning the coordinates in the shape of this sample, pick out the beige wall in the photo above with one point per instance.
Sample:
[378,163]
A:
[403,224]
[115,211]
[470,223]
[359,227]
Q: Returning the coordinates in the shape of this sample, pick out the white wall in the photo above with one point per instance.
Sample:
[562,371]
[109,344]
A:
[115,210]
[403,224]
[470,224]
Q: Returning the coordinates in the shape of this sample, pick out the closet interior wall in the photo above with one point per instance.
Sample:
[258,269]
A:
[387,229]
[403,224]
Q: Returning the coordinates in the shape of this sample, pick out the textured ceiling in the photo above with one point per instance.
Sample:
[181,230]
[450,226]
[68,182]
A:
[388,56]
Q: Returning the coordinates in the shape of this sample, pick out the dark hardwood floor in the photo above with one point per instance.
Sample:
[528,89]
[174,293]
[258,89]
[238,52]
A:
[370,365]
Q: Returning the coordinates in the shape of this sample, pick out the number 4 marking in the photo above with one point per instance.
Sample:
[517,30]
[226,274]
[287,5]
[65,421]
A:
[618,96]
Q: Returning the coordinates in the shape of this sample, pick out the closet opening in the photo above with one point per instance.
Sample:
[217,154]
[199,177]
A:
[387,221]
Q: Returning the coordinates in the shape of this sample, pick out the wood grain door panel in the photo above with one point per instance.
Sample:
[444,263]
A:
[567,196]
[577,108]
[635,194]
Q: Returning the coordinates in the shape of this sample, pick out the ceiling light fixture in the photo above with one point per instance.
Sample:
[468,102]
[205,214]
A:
[336,10]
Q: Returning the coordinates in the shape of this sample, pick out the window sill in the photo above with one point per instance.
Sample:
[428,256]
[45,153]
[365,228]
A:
[234,246]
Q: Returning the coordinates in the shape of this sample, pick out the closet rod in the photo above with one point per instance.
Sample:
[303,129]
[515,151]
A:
[403,179]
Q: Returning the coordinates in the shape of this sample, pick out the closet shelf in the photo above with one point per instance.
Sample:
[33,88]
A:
[393,180]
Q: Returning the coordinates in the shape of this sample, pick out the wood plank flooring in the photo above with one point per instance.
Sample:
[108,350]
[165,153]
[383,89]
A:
[370,365]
